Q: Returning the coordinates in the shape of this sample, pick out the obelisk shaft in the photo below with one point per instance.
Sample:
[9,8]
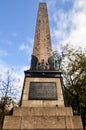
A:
[42,41]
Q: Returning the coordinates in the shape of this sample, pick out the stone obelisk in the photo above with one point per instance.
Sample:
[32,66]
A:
[42,102]
[42,41]
[42,50]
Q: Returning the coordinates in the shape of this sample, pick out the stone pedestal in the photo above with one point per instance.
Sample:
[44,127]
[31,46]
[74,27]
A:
[42,114]
[42,89]
[39,118]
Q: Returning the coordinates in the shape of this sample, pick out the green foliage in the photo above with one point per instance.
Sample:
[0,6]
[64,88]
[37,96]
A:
[73,66]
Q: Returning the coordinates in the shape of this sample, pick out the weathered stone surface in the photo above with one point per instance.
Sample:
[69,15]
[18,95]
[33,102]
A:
[42,111]
[74,122]
[64,111]
[12,122]
[42,42]
[69,123]
[27,123]
[42,103]
[42,118]
[43,122]
[77,123]
[69,111]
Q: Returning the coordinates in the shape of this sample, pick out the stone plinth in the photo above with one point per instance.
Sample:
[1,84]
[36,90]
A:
[39,118]
[12,122]
[42,111]
[27,102]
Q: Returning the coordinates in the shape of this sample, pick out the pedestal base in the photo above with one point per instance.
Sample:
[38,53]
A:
[39,118]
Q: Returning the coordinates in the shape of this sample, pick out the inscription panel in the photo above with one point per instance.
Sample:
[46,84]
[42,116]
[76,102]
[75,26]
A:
[43,91]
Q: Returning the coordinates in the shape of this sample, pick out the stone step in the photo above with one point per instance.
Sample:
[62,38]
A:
[42,123]
[36,111]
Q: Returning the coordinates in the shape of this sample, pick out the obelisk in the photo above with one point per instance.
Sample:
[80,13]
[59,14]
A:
[42,50]
[42,102]
[42,41]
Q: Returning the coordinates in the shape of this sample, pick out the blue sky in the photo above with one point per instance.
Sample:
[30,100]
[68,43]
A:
[17,25]
[17,28]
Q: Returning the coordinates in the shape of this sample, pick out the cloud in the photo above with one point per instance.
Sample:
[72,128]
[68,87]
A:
[24,47]
[27,49]
[51,4]
[17,73]
[27,46]
[70,26]
[30,41]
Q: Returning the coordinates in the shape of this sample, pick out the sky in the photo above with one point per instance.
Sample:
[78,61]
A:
[67,20]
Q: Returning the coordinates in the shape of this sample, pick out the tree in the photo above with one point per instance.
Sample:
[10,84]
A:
[9,91]
[73,66]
